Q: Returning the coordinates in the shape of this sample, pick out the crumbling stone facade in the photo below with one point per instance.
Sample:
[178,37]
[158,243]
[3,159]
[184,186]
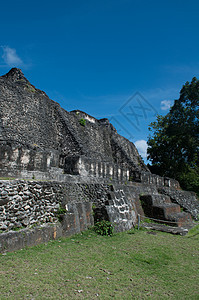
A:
[70,170]
[37,134]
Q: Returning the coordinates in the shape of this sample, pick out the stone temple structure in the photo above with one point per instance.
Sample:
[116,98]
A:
[52,160]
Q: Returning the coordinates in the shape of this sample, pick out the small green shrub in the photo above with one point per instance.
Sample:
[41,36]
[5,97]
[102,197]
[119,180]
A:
[30,88]
[60,213]
[104,228]
[18,228]
[93,206]
[82,122]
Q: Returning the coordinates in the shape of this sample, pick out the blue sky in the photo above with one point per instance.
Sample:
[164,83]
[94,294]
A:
[120,59]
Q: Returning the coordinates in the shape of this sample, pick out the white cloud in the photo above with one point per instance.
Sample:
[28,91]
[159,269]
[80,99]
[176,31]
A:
[141,145]
[166,104]
[10,57]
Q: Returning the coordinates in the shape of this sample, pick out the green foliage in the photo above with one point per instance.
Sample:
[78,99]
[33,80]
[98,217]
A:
[60,212]
[30,88]
[93,206]
[82,122]
[147,220]
[190,180]
[18,228]
[104,228]
[173,148]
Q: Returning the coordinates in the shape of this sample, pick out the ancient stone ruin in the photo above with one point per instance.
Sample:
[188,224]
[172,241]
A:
[62,171]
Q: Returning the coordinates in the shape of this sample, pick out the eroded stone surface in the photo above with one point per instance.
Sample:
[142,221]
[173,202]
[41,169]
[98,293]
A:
[37,134]
[81,172]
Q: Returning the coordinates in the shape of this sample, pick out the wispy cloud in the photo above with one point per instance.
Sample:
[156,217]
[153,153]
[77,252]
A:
[10,57]
[141,145]
[186,69]
[166,104]
[156,95]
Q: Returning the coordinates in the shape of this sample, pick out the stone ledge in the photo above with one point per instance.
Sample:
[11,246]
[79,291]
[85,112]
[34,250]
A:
[165,228]
[16,240]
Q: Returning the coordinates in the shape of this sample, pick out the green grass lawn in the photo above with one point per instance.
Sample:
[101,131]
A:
[129,265]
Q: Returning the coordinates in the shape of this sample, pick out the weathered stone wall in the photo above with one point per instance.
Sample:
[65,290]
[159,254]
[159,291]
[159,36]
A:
[27,237]
[25,203]
[16,158]
[149,178]
[86,171]
[28,116]
[84,166]
[37,204]
[37,134]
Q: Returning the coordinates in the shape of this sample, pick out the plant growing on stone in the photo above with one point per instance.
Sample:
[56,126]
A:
[60,213]
[104,228]
[82,122]
[93,206]
[147,220]
[30,88]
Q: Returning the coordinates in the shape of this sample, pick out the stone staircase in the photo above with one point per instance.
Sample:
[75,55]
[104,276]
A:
[160,207]
[116,208]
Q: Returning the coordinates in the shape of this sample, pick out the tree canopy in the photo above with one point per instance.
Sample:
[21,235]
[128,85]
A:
[173,145]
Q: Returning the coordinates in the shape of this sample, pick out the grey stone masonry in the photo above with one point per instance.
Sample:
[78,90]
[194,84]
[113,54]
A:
[29,204]
[187,200]
[63,171]
[36,134]
[80,165]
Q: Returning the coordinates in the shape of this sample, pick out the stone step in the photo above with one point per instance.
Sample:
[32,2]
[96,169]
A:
[160,207]
[155,199]
[164,228]
[160,198]
[181,219]
[163,210]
